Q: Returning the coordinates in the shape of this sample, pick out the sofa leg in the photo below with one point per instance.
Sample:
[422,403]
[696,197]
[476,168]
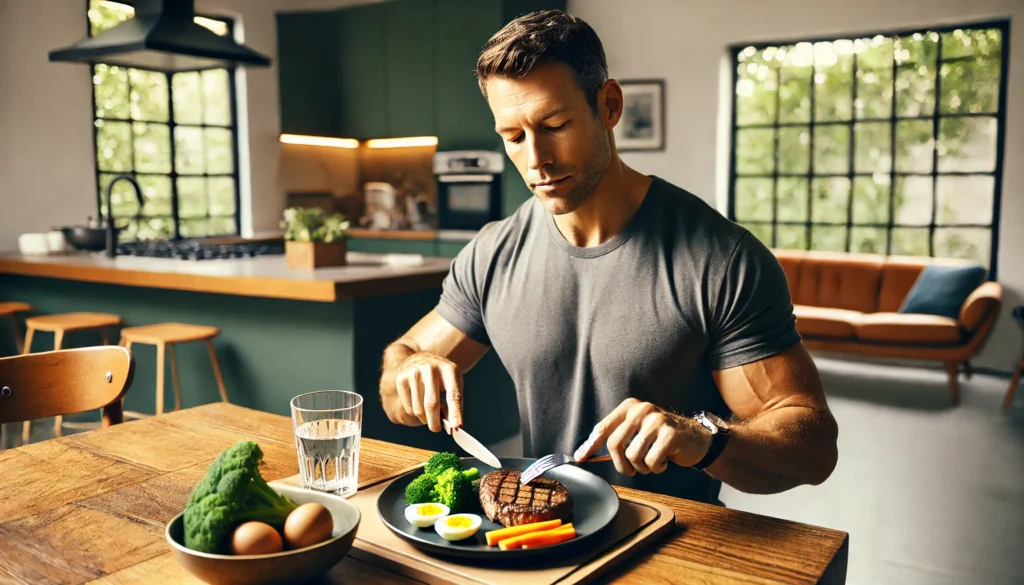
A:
[968,370]
[1008,400]
[954,390]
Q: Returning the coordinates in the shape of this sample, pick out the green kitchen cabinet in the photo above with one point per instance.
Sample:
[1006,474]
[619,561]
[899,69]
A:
[307,63]
[392,246]
[449,249]
[362,84]
[410,58]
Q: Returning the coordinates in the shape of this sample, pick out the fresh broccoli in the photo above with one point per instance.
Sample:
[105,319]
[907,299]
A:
[439,462]
[453,489]
[232,492]
[472,474]
[420,490]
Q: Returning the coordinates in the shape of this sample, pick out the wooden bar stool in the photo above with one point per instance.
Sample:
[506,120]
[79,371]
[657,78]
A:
[164,336]
[10,311]
[61,324]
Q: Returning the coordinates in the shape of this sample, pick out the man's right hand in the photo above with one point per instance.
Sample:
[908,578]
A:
[430,389]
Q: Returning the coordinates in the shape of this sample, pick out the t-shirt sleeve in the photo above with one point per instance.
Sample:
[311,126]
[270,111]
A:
[460,303]
[752,317]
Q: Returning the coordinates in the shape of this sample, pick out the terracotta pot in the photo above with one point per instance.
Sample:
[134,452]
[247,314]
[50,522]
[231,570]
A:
[312,255]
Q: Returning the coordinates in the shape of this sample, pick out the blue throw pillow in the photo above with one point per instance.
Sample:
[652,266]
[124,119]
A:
[942,290]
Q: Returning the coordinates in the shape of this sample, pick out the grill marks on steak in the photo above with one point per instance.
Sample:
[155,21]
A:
[507,502]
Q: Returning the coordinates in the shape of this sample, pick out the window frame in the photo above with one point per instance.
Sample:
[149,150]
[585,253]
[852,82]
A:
[1002,25]
[173,175]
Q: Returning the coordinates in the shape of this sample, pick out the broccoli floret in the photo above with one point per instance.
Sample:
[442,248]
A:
[472,474]
[439,462]
[232,492]
[419,491]
[453,489]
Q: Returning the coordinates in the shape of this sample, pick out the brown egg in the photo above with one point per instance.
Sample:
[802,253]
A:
[256,538]
[307,525]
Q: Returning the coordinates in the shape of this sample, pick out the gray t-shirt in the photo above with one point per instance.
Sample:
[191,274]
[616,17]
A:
[679,292]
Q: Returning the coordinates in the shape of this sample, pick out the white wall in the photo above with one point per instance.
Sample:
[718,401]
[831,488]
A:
[685,42]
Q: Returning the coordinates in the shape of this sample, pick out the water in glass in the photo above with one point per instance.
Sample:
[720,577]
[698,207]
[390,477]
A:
[327,429]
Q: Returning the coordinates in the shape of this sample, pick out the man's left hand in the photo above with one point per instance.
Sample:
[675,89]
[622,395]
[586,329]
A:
[643,438]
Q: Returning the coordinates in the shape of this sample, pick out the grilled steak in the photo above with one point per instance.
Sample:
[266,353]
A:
[510,504]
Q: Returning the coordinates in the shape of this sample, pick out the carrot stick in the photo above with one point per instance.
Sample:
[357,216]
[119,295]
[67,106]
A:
[535,539]
[496,536]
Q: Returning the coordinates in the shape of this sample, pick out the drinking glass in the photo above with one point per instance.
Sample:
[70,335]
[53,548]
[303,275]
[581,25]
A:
[327,426]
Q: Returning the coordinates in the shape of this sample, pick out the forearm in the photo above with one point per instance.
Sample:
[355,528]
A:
[394,355]
[778,450]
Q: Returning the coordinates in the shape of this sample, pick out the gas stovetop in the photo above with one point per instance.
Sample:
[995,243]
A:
[200,250]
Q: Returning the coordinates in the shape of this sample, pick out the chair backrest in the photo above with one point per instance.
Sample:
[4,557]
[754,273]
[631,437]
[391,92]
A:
[39,385]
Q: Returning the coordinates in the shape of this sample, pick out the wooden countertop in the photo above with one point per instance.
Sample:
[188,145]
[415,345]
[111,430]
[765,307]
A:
[267,276]
[92,507]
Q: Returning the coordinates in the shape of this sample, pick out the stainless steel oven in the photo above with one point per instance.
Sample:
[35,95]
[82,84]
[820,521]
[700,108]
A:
[468,188]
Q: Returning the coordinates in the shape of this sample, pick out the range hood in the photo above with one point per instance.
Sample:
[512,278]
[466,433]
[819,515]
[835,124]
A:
[162,37]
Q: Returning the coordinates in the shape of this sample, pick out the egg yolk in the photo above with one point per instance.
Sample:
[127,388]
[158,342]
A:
[459,522]
[429,510]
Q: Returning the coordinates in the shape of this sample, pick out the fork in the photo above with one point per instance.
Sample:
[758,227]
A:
[549,462]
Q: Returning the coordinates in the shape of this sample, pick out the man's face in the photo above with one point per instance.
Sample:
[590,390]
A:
[560,147]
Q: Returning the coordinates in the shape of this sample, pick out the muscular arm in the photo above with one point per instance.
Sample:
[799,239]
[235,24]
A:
[431,335]
[783,434]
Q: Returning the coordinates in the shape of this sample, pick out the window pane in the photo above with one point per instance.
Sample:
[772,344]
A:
[831,197]
[909,242]
[872,142]
[967,144]
[114,146]
[874,94]
[222,226]
[868,240]
[152,148]
[195,228]
[968,243]
[965,200]
[915,91]
[105,15]
[216,97]
[129,232]
[914,146]
[970,87]
[762,231]
[754,199]
[828,238]
[963,43]
[831,149]
[913,205]
[795,91]
[219,150]
[122,199]
[192,197]
[792,237]
[188,150]
[754,151]
[149,95]
[874,54]
[794,150]
[918,48]
[188,104]
[833,80]
[792,194]
[110,85]
[156,228]
[870,200]
[221,192]
[156,192]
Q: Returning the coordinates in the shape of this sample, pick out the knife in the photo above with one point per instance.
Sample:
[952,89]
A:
[472,446]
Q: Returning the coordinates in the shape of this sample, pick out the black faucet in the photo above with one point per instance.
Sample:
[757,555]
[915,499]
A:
[111,229]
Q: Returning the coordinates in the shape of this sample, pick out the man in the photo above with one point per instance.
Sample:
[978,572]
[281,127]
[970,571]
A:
[629,313]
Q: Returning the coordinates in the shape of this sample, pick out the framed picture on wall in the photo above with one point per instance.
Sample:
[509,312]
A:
[642,126]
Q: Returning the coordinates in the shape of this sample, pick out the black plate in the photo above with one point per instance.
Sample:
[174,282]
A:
[595,505]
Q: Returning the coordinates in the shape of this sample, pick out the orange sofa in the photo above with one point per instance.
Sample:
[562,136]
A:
[849,303]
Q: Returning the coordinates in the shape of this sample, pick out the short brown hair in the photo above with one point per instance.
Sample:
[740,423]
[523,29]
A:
[541,37]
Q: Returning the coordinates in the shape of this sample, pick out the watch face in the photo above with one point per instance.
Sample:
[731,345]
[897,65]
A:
[717,421]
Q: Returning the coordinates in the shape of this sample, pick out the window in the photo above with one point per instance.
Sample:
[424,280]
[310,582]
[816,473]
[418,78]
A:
[175,133]
[888,144]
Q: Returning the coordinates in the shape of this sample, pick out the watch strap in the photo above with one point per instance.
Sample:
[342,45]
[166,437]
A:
[718,441]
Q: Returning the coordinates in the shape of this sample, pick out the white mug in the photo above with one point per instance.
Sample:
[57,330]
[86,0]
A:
[56,243]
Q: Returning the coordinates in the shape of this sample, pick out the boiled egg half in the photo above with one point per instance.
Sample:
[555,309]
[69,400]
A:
[424,515]
[457,526]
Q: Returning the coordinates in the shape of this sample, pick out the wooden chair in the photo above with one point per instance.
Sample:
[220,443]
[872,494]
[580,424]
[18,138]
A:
[69,381]
[61,324]
[1018,316]
[10,311]
[164,336]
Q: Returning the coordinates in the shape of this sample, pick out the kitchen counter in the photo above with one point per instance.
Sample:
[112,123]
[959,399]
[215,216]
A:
[267,276]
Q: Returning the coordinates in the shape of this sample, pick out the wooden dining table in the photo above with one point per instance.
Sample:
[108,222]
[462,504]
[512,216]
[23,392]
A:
[92,507]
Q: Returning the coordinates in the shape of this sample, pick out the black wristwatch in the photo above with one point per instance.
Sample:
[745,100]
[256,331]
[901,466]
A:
[719,436]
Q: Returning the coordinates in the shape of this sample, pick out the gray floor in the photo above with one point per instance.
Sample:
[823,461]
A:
[930,494]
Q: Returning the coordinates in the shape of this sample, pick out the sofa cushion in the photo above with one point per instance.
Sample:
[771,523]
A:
[942,290]
[898,276]
[825,322]
[839,281]
[908,328]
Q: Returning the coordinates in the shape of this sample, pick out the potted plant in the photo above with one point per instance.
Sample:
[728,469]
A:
[314,238]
